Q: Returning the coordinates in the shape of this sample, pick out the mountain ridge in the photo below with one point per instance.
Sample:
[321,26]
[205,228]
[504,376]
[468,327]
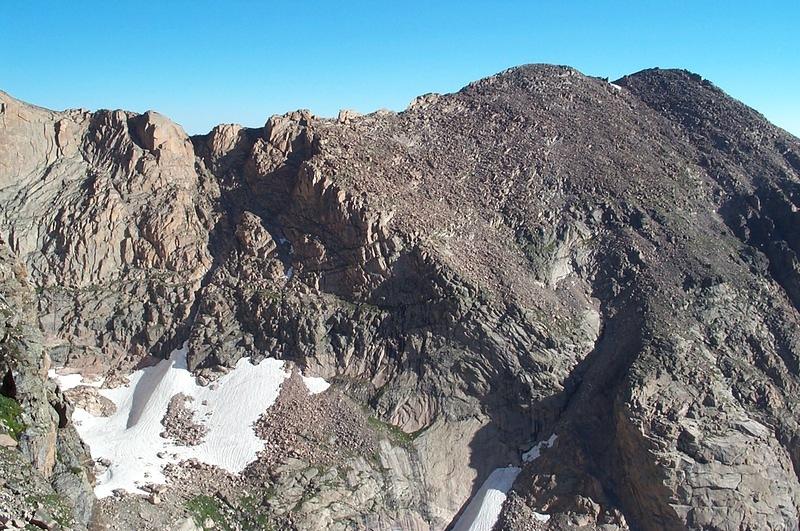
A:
[541,252]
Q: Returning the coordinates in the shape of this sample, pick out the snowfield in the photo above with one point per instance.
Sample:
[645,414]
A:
[536,451]
[484,508]
[68,381]
[130,439]
[315,384]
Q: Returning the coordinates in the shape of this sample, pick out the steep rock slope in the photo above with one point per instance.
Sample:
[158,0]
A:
[539,253]
[43,464]
[106,212]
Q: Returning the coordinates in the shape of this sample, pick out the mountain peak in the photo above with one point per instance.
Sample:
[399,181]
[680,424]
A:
[545,300]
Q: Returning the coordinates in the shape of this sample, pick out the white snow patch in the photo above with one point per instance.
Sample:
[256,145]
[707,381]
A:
[532,455]
[289,273]
[536,451]
[615,86]
[541,517]
[69,381]
[484,508]
[130,438]
[315,384]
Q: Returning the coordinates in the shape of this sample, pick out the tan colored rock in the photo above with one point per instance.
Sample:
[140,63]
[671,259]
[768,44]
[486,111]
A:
[107,231]
[346,116]
[424,101]
[253,237]
[281,131]
[158,133]
[224,139]
[89,399]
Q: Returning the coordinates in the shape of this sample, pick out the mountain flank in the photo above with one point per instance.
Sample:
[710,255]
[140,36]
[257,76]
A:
[540,254]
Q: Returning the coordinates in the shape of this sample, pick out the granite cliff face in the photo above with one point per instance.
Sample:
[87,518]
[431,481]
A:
[540,253]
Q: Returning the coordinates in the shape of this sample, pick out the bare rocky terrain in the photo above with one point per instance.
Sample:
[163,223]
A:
[539,253]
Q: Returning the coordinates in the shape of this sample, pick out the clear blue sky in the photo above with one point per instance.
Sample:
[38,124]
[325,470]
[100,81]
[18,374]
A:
[208,62]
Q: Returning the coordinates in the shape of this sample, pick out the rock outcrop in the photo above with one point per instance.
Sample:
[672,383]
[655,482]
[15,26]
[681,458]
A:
[107,212]
[43,464]
[540,253]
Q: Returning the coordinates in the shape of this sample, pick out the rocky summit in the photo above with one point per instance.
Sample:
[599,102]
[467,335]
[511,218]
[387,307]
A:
[544,302]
